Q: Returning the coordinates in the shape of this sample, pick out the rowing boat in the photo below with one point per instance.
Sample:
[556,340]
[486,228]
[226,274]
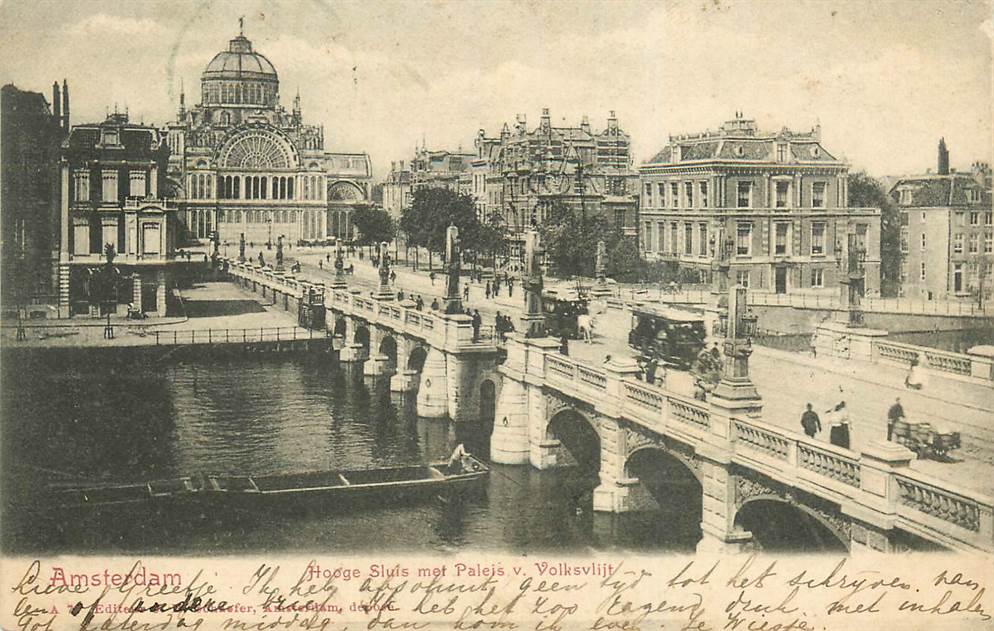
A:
[389,484]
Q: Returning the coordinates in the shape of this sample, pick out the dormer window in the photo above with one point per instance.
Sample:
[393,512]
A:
[815,152]
[110,137]
[740,151]
[905,196]
[781,152]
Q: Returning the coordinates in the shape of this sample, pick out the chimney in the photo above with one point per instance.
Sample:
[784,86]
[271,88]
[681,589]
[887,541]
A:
[56,103]
[546,121]
[65,105]
[612,121]
[585,124]
[943,157]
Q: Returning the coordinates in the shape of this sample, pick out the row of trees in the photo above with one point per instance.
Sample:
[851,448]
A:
[433,210]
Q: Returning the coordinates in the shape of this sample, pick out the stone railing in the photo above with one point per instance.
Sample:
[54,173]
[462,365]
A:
[932,508]
[933,498]
[833,463]
[974,367]
[770,443]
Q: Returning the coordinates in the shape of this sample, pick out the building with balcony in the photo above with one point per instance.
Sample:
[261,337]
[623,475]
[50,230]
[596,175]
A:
[241,164]
[521,173]
[31,133]
[112,177]
[781,198]
[946,232]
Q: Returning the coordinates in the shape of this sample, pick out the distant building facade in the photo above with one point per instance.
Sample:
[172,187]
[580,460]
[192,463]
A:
[521,173]
[30,137]
[780,196]
[397,193]
[113,176]
[429,169]
[241,164]
[947,241]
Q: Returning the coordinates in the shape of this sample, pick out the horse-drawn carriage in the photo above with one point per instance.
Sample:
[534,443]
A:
[925,440]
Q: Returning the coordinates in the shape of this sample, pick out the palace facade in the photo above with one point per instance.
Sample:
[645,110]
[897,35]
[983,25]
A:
[240,163]
[780,196]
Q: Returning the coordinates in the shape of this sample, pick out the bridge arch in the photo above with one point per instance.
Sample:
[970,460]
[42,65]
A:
[388,348]
[362,335]
[416,359]
[579,436]
[669,489]
[780,524]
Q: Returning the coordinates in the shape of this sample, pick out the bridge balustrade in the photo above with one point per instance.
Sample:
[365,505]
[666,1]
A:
[953,516]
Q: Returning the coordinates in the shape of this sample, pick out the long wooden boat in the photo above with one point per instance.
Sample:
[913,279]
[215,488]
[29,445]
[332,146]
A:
[389,484]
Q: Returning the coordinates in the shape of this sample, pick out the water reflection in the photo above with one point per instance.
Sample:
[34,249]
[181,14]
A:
[269,415]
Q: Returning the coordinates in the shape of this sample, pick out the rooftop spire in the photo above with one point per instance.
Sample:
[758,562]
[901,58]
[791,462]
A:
[241,26]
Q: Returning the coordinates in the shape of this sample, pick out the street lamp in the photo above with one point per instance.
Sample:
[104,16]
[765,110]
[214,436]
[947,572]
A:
[269,223]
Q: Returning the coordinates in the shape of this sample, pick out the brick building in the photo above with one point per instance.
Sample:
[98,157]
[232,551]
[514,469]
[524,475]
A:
[521,173]
[946,232]
[781,196]
[30,135]
[112,177]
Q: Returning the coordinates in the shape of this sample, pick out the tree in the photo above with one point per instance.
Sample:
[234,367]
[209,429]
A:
[374,225]
[432,211]
[866,191]
[570,241]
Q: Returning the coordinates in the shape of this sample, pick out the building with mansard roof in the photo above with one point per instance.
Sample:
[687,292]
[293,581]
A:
[947,240]
[240,163]
[782,198]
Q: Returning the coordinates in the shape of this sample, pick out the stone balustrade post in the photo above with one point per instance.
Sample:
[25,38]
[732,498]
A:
[874,511]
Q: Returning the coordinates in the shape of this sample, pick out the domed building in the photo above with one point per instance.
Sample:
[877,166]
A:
[241,164]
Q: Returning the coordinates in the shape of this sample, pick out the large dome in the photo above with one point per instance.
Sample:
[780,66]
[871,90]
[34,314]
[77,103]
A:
[239,62]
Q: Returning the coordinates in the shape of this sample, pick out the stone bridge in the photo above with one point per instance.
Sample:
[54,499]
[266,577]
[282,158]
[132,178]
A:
[870,500]
[730,459]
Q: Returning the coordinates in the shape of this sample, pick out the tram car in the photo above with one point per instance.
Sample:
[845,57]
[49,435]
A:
[561,313]
[671,336]
[925,440]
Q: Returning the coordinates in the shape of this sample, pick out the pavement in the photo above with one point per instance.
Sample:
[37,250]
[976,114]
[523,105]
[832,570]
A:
[787,381]
[207,305]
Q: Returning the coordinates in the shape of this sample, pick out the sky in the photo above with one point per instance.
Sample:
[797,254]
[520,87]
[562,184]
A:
[883,79]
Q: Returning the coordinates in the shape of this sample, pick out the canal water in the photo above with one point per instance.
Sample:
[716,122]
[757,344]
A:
[66,423]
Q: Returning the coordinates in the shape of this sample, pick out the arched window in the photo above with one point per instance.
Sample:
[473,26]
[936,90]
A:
[236,192]
[289,188]
[264,182]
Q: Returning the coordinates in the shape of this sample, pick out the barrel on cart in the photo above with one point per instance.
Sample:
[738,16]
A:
[925,440]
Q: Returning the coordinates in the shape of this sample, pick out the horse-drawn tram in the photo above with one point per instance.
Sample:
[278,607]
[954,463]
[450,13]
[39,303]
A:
[391,484]
[669,335]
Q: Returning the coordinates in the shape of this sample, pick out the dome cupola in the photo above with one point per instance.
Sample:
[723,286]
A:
[240,76]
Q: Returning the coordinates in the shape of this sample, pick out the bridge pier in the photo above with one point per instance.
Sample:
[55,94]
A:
[378,364]
[351,350]
[406,379]
[433,389]
[521,399]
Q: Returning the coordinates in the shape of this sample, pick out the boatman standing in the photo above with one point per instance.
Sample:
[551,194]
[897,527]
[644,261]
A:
[459,461]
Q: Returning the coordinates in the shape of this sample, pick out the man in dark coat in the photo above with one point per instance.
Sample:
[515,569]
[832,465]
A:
[810,422]
[894,414]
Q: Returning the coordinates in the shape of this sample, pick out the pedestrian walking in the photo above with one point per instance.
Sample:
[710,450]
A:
[431,276]
[496,288]
[434,304]
[320,264]
[564,345]
[419,304]
[510,287]
[915,379]
[486,290]
[810,422]
[894,414]
[839,434]
[393,277]
[465,292]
